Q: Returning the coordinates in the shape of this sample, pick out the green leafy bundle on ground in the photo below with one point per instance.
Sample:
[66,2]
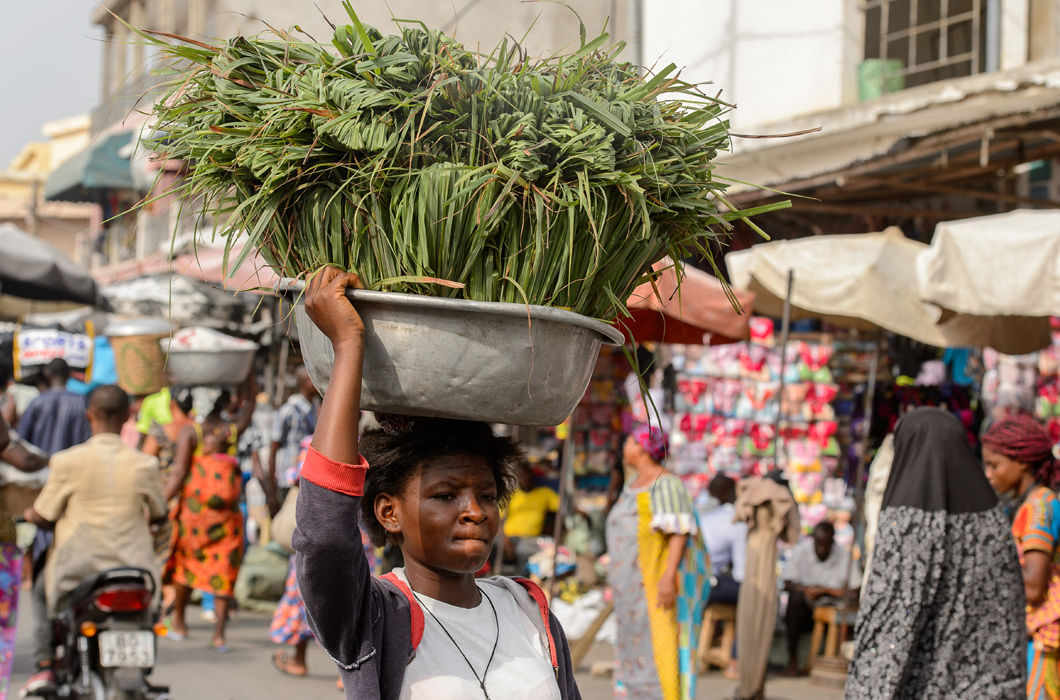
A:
[554,181]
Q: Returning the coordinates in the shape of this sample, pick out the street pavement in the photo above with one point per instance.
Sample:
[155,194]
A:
[194,672]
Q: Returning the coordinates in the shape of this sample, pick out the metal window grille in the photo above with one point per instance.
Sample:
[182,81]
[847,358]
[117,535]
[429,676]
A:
[934,39]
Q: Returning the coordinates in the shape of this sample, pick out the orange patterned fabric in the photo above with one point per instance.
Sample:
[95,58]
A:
[1037,529]
[208,538]
[1043,674]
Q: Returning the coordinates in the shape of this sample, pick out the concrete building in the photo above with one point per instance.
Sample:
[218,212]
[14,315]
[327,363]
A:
[65,225]
[907,111]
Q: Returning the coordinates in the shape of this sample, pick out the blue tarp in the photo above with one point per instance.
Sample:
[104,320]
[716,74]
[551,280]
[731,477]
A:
[98,167]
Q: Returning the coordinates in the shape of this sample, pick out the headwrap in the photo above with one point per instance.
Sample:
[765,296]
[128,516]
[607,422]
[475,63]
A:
[1023,439]
[654,441]
[934,468]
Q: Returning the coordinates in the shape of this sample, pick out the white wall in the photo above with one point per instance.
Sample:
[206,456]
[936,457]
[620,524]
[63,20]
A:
[775,59]
[477,23]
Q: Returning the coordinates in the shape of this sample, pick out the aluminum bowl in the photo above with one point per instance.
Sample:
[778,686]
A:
[208,367]
[471,360]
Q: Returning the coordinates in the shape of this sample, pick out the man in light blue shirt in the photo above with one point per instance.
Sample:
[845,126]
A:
[726,540]
[295,420]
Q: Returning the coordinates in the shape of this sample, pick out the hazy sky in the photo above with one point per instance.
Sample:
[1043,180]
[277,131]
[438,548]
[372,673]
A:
[49,67]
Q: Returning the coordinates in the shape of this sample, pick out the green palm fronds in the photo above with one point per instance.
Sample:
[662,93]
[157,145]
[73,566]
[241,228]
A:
[557,181]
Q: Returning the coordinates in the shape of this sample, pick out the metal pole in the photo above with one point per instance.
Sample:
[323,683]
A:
[785,331]
[863,456]
[566,472]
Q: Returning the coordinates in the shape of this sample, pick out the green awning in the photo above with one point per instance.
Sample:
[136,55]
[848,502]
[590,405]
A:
[97,167]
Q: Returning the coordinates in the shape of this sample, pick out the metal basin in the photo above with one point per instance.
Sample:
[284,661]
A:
[136,327]
[471,360]
[208,367]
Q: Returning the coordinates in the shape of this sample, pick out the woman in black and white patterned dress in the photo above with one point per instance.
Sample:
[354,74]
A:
[942,610]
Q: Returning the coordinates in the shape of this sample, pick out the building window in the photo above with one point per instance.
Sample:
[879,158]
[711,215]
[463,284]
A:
[924,41]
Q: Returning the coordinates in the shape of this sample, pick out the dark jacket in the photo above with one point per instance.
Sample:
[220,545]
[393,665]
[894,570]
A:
[365,624]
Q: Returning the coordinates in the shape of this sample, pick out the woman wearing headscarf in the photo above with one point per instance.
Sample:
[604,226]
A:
[768,508]
[658,574]
[1018,455]
[941,614]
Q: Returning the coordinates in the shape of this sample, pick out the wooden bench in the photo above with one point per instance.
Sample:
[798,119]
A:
[720,654]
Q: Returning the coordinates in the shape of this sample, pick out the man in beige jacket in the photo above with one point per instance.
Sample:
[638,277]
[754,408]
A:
[100,497]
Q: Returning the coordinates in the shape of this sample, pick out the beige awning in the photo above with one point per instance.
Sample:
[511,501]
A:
[865,280]
[866,137]
[1000,272]
[870,281]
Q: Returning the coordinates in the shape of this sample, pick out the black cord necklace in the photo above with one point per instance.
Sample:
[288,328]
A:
[496,622]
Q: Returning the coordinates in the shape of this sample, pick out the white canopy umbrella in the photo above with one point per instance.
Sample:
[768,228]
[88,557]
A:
[877,280]
[864,280]
[997,277]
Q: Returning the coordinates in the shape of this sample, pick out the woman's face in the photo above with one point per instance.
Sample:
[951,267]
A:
[448,515]
[632,451]
[1003,473]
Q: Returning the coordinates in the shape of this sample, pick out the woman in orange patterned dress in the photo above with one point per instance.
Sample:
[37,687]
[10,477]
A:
[208,537]
[1018,455]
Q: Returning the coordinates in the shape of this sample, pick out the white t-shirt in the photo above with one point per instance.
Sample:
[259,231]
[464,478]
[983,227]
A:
[521,667]
[805,569]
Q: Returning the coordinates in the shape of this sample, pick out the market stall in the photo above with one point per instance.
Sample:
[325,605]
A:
[863,284]
[700,311]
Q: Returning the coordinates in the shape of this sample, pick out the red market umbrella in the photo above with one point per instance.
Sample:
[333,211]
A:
[208,265]
[699,313]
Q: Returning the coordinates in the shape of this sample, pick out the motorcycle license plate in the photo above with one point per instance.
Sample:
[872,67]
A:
[127,649]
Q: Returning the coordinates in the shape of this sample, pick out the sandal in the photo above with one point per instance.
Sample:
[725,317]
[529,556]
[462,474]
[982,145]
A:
[280,660]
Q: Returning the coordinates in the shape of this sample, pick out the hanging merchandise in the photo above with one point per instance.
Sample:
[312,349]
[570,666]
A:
[596,425]
[1047,403]
[1010,381]
[726,410]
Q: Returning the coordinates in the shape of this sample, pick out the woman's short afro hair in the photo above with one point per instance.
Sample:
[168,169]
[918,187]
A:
[402,445]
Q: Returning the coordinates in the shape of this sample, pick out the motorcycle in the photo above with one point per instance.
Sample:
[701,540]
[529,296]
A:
[106,639]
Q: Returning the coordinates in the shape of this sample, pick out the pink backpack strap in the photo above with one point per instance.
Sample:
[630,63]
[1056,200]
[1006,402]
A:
[416,612]
[542,605]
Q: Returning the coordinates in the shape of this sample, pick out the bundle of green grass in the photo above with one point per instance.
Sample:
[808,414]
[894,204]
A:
[409,159]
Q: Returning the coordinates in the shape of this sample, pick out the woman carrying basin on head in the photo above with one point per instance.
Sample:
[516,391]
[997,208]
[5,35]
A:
[433,487]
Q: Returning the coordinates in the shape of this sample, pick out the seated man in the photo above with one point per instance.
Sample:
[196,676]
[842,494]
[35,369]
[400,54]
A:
[525,519]
[815,575]
[726,540]
[99,497]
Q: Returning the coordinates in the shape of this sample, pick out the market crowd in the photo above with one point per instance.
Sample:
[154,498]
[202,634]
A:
[180,482]
[959,592]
